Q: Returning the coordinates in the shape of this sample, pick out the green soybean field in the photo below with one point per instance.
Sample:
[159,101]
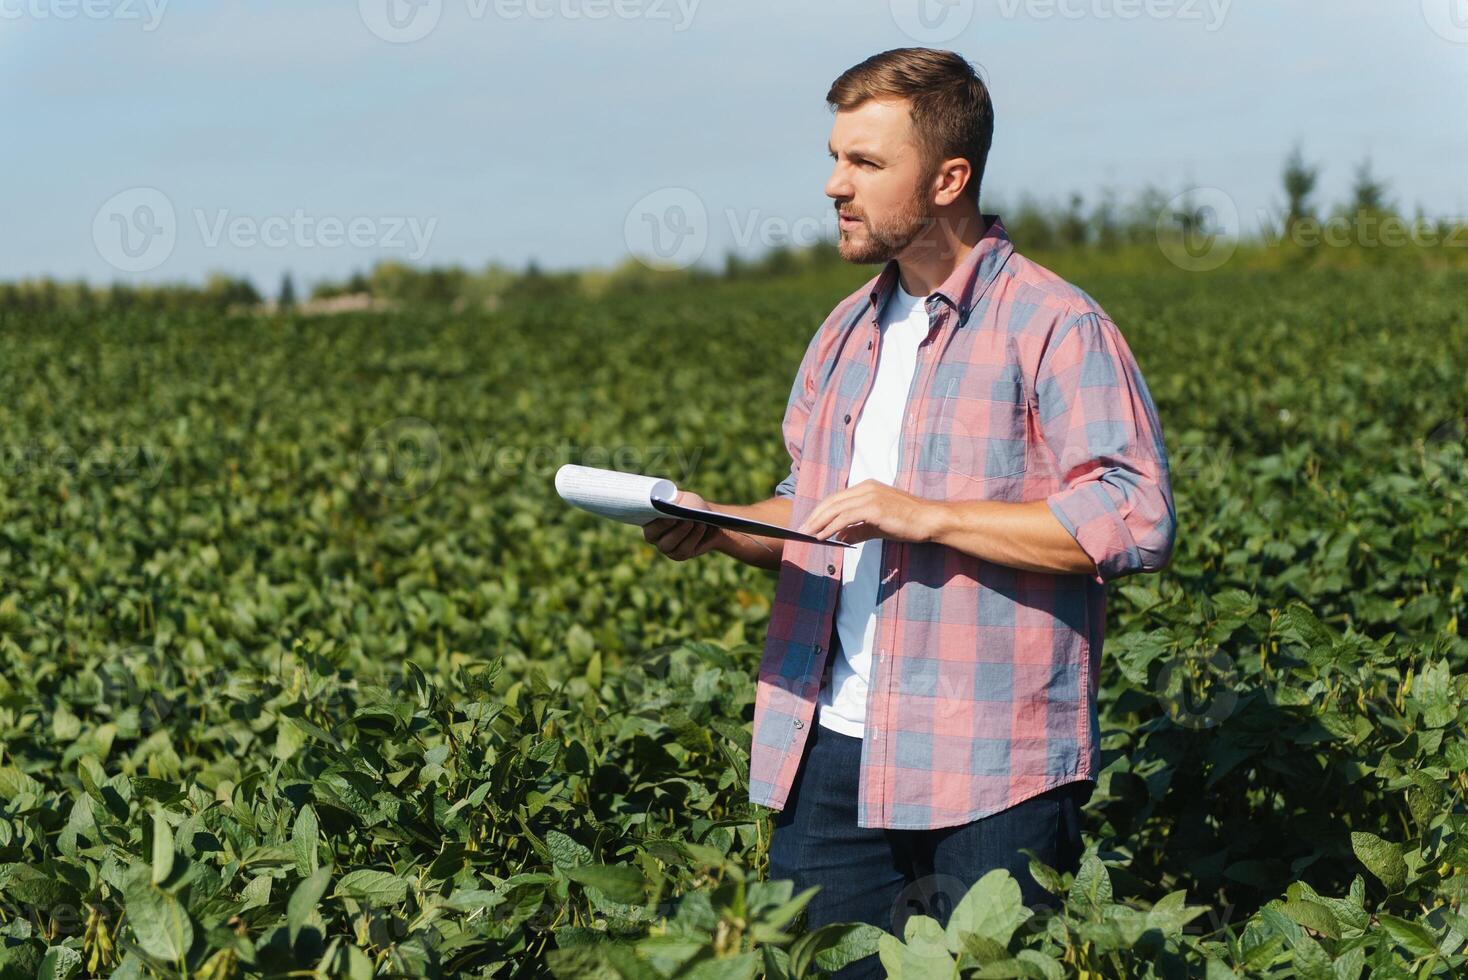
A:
[306,671]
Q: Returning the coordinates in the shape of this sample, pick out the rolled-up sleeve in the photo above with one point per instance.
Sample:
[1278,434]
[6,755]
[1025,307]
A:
[1098,419]
[797,412]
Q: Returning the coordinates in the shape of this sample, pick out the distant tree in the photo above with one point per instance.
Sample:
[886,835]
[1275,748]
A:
[1032,227]
[1368,210]
[1191,217]
[1073,229]
[120,296]
[358,283]
[1367,193]
[220,292]
[1299,183]
[1105,220]
[47,295]
[1140,225]
[777,260]
[286,300]
[327,289]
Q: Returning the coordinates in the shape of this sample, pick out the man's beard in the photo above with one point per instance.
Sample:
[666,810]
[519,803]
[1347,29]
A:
[886,241]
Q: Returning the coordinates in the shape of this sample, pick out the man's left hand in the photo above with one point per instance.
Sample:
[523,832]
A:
[872,509]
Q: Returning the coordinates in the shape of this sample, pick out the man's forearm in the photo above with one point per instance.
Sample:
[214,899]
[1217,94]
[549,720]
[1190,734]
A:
[752,549]
[1027,535]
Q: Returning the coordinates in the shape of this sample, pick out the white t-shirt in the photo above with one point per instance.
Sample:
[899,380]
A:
[903,324]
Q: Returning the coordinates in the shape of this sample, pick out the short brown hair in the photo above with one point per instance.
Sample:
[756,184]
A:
[950,108]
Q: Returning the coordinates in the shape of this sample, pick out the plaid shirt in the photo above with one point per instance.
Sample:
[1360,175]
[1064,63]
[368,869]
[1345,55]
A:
[984,677]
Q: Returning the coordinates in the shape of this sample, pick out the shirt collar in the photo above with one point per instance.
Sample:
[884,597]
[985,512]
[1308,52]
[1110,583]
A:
[968,282]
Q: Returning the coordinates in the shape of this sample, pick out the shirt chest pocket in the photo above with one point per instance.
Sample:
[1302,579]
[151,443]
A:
[973,436]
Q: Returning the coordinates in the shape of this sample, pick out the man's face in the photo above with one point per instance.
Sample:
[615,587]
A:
[879,179]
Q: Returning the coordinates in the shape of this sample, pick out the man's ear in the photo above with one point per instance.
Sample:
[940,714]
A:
[952,177]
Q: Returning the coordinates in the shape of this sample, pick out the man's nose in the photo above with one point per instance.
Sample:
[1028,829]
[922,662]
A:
[837,186]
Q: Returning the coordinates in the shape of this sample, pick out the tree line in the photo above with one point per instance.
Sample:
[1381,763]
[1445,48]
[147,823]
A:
[1300,228]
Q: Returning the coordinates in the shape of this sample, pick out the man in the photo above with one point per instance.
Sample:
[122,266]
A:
[980,428]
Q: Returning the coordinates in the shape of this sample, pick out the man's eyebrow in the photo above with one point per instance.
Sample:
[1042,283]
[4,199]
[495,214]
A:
[856,152]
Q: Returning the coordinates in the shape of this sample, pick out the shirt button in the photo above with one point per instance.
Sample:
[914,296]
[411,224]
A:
[799,723]
[869,345]
[831,569]
[848,418]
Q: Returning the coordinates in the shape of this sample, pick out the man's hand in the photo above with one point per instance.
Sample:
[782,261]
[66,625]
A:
[872,509]
[681,540]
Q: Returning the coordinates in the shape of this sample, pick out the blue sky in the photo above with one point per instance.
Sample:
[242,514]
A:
[320,137]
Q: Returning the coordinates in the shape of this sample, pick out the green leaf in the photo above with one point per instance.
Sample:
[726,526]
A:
[33,886]
[1049,968]
[1381,858]
[162,848]
[59,963]
[1311,961]
[304,899]
[1312,915]
[565,851]
[1219,970]
[1092,882]
[833,946]
[620,882]
[992,908]
[1416,937]
[304,836]
[257,893]
[1170,913]
[377,887]
[158,920]
[926,960]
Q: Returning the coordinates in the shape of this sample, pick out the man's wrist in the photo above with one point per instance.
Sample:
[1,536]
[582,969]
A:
[935,521]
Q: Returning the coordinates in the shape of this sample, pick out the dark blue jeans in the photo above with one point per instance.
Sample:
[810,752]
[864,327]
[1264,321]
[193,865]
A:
[882,876]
